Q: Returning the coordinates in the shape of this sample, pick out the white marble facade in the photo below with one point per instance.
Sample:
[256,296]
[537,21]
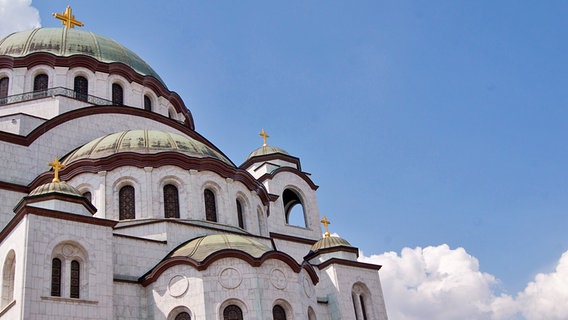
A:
[125,265]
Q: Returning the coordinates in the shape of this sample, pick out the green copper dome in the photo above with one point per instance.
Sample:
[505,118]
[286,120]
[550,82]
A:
[55,187]
[266,150]
[65,42]
[330,242]
[201,248]
[144,142]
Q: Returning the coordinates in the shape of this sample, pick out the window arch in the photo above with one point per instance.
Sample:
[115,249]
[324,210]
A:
[293,208]
[117,94]
[361,300]
[210,206]
[126,202]
[183,316]
[311,314]
[147,103]
[278,313]
[240,216]
[8,277]
[81,88]
[41,82]
[56,277]
[4,83]
[232,312]
[172,113]
[171,201]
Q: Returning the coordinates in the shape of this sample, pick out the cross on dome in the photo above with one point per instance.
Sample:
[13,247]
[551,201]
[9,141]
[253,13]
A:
[264,135]
[325,224]
[68,19]
[56,165]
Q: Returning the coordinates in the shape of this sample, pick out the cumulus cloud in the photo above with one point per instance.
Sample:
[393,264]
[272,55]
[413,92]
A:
[444,283]
[17,15]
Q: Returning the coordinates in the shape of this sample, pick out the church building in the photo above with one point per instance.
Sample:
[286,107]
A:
[112,205]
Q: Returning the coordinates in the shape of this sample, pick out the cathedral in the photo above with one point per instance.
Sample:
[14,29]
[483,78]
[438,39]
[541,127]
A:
[114,207]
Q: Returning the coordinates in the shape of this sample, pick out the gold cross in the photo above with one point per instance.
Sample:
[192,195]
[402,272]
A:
[68,19]
[325,224]
[264,136]
[56,165]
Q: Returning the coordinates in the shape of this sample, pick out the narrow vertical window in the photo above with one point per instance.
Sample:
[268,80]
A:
[278,313]
[126,203]
[4,82]
[183,316]
[147,103]
[363,311]
[171,201]
[8,277]
[56,277]
[81,88]
[40,85]
[240,215]
[232,312]
[210,207]
[75,279]
[117,95]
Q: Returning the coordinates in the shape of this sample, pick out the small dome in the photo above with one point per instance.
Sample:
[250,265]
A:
[266,150]
[330,242]
[55,187]
[201,248]
[66,42]
[144,142]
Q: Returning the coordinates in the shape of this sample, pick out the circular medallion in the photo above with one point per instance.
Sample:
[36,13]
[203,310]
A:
[278,279]
[68,250]
[178,286]
[308,287]
[230,278]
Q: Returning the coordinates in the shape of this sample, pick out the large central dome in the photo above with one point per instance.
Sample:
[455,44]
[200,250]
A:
[66,42]
[144,142]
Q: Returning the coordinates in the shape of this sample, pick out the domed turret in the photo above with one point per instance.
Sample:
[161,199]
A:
[64,42]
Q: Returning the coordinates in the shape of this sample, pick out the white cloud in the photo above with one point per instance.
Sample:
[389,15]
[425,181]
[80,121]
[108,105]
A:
[443,283]
[17,15]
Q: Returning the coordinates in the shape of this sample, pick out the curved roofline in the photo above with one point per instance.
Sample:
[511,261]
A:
[92,64]
[299,173]
[168,262]
[272,156]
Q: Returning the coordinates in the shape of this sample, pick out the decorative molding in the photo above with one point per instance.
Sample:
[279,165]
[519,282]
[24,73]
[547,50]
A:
[286,237]
[348,263]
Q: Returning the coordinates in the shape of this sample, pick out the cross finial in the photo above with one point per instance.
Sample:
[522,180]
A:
[325,224]
[68,19]
[56,165]
[264,136]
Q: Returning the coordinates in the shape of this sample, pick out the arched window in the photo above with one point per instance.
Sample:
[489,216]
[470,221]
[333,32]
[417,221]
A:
[232,312]
[278,313]
[171,201]
[293,209]
[126,208]
[8,275]
[75,279]
[240,214]
[183,316]
[81,88]
[56,277]
[117,95]
[210,207]
[4,82]
[40,85]
[147,103]
[361,299]
[311,314]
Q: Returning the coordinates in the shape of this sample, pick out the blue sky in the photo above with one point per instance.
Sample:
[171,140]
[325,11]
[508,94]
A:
[424,122]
